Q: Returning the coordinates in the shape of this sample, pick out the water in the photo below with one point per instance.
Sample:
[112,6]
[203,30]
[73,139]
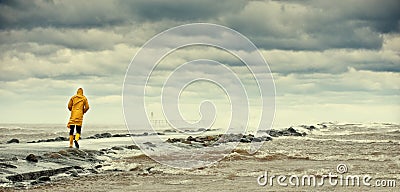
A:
[372,148]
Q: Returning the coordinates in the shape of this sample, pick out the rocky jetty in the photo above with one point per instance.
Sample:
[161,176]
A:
[225,138]
[43,168]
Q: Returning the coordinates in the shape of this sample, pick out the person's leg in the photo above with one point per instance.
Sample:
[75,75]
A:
[71,135]
[78,135]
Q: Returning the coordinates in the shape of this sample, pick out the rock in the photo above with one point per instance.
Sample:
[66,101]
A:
[6,165]
[312,127]
[106,135]
[150,144]
[291,130]
[43,179]
[274,133]
[133,147]
[32,158]
[121,135]
[61,139]
[186,142]
[201,130]
[13,141]
[55,155]
[257,139]
[304,134]
[98,166]
[117,148]
[63,152]
[266,138]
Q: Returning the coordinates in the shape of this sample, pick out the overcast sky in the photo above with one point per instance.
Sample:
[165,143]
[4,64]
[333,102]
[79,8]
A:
[331,60]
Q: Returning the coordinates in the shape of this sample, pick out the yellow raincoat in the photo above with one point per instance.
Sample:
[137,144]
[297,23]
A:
[78,105]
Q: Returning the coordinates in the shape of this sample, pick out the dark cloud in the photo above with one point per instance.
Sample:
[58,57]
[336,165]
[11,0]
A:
[87,14]
[47,13]
[319,25]
[183,10]
[289,25]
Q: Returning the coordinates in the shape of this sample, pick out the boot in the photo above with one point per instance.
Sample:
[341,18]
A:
[76,140]
[71,139]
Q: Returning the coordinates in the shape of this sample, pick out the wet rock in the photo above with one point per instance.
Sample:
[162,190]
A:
[245,140]
[257,140]
[117,148]
[55,155]
[150,144]
[43,179]
[13,141]
[170,131]
[98,166]
[190,138]
[291,130]
[133,147]
[61,139]
[63,153]
[266,138]
[173,140]
[106,135]
[186,142]
[121,135]
[274,133]
[36,174]
[6,165]
[201,129]
[32,158]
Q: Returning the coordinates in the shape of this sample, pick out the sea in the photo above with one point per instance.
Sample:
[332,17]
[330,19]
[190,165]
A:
[355,149]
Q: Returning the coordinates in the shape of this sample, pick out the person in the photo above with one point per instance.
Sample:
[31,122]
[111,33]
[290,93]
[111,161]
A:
[78,105]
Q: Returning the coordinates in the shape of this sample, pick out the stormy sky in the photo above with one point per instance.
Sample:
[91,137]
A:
[331,60]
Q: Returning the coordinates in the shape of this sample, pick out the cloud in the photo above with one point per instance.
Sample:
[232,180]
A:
[315,25]
[322,54]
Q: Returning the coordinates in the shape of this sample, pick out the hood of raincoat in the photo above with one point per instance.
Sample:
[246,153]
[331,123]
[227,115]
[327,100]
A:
[80,91]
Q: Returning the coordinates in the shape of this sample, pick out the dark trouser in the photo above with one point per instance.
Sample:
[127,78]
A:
[72,129]
[72,137]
